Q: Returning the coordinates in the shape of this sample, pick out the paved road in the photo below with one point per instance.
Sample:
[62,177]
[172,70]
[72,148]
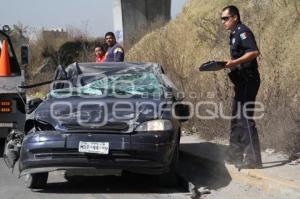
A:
[129,186]
[133,186]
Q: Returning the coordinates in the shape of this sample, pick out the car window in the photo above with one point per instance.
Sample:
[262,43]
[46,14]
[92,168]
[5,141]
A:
[117,84]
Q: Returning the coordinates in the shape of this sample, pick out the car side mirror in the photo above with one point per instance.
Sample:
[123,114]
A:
[32,104]
[182,111]
[24,55]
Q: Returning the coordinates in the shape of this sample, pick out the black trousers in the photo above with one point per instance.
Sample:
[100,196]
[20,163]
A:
[243,136]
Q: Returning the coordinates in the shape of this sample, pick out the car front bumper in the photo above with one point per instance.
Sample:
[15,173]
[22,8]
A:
[148,153]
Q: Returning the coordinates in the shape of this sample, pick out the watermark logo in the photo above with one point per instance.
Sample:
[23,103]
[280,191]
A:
[107,98]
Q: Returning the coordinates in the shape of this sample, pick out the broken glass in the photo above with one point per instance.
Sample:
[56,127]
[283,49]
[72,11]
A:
[143,83]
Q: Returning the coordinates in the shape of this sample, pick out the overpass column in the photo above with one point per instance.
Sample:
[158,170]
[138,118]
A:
[132,16]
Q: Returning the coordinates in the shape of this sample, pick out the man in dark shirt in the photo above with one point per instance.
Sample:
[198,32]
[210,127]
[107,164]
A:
[244,149]
[115,52]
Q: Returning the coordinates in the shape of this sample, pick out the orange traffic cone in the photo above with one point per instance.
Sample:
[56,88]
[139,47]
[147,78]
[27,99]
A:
[4,61]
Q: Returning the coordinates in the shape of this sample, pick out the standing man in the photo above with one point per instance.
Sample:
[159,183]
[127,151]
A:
[115,51]
[244,149]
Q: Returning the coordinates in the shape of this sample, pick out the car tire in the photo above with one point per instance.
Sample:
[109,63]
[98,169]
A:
[2,146]
[36,180]
[170,178]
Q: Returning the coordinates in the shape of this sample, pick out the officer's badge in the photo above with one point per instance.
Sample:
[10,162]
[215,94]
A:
[243,35]
[233,40]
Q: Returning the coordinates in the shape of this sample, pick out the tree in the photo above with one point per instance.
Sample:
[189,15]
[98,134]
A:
[19,34]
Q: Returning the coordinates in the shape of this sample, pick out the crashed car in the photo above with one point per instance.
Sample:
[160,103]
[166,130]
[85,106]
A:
[101,119]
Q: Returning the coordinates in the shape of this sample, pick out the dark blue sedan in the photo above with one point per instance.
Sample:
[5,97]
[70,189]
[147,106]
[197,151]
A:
[101,119]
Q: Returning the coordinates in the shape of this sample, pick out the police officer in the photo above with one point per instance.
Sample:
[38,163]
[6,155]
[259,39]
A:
[244,149]
[115,52]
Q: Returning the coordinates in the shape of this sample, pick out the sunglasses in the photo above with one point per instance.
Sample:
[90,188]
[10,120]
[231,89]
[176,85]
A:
[226,18]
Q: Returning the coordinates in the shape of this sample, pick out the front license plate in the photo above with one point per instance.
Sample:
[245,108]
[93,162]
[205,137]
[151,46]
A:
[94,147]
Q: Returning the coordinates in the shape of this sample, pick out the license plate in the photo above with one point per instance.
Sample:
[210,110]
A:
[6,125]
[94,147]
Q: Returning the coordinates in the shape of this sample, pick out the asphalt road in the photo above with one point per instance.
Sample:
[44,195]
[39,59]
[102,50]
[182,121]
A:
[129,186]
[133,186]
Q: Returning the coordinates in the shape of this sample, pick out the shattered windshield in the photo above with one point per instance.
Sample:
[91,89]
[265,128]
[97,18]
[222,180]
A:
[145,83]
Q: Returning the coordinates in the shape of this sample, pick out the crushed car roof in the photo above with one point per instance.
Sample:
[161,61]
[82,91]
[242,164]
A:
[126,67]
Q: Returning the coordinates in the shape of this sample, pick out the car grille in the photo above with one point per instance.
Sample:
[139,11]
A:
[109,127]
[73,153]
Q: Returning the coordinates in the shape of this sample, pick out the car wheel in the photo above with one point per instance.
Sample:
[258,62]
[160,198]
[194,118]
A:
[36,180]
[2,145]
[170,178]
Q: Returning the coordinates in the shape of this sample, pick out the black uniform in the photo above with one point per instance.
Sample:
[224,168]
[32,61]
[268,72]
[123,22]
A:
[246,80]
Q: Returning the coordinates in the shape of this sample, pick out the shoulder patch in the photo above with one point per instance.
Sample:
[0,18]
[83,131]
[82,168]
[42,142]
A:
[118,50]
[243,35]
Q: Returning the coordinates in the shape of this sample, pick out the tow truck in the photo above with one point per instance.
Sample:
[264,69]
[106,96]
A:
[12,98]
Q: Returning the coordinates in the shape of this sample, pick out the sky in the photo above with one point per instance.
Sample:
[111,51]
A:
[93,16]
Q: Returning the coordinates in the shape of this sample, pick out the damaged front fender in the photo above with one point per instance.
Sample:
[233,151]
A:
[12,147]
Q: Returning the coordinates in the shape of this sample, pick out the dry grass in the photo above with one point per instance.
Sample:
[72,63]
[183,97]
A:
[77,46]
[196,36]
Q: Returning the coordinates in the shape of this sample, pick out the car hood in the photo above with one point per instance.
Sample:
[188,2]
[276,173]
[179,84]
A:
[93,114]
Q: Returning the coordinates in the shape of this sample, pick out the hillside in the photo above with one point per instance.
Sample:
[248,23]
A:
[197,36]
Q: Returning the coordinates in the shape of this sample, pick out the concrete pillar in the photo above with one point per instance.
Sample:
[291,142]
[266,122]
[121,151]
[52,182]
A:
[138,14]
[117,19]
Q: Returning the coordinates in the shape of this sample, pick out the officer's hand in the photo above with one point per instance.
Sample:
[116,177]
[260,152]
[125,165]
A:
[231,64]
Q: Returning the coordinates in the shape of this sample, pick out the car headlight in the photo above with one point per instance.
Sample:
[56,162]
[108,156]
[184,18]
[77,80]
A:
[155,125]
